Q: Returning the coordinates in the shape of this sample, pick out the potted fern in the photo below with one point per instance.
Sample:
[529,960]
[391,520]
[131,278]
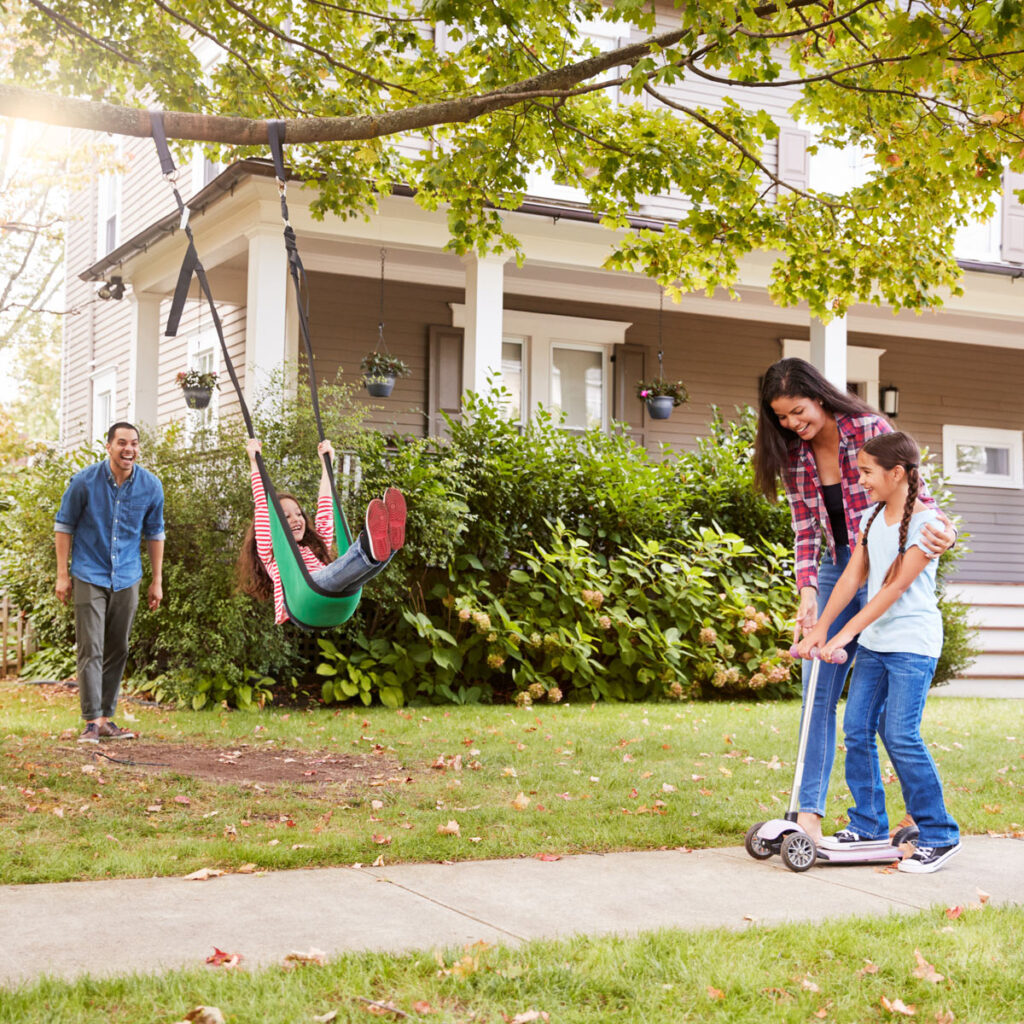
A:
[380,370]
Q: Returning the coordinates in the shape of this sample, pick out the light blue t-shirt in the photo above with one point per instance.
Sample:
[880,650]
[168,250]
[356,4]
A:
[913,624]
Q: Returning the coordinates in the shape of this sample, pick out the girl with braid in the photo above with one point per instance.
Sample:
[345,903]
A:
[900,640]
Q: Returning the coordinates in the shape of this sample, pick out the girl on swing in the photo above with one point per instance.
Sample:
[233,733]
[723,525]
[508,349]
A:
[383,535]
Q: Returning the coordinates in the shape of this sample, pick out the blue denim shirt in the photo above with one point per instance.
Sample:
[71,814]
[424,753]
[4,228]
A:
[108,523]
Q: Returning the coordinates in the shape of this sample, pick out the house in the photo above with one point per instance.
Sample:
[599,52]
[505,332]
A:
[562,330]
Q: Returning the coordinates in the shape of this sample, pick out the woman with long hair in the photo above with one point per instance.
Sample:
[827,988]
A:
[808,436]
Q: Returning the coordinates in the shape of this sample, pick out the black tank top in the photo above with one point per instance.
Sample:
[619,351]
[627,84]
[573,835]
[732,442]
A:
[833,494]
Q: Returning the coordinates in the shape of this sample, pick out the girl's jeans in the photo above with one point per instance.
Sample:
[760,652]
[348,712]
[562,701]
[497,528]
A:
[350,571]
[821,740]
[897,682]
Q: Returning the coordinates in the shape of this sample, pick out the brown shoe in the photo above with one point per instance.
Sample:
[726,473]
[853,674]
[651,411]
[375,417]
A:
[109,730]
[90,734]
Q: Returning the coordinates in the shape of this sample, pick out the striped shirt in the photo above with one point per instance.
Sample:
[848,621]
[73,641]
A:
[807,502]
[264,548]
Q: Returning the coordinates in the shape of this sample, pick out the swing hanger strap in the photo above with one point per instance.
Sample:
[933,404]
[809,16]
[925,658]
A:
[275,136]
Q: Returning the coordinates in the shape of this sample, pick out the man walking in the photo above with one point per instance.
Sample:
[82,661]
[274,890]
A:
[105,512]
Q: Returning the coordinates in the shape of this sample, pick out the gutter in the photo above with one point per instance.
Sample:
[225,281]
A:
[226,181]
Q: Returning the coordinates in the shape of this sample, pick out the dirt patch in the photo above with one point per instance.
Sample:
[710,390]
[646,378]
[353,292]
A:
[247,764]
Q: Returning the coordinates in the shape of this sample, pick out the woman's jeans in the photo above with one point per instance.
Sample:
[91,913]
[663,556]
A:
[897,682]
[821,740]
[346,574]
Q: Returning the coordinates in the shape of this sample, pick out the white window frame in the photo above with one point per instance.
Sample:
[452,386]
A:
[862,364]
[954,434]
[541,332]
[103,400]
[201,344]
[522,413]
[109,193]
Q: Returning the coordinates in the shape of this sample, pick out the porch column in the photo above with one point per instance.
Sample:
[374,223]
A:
[828,349]
[266,310]
[485,306]
[144,358]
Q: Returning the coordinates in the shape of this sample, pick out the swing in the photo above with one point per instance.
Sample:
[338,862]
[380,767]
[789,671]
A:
[308,605]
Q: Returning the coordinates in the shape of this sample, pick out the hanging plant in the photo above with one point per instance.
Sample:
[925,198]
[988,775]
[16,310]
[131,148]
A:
[198,386]
[662,396]
[380,368]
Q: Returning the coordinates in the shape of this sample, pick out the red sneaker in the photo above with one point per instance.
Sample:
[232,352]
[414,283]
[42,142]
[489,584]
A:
[394,502]
[377,530]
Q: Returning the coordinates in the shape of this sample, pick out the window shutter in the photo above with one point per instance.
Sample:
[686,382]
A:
[444,389]
[794,163]
[629,361]
[1013,218]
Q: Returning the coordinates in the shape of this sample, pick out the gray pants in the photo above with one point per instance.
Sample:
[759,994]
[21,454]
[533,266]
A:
[103,621]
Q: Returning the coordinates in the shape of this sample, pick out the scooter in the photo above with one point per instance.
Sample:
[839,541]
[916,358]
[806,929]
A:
[785,837]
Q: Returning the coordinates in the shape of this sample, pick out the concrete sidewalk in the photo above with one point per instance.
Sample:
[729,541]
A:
[145,925]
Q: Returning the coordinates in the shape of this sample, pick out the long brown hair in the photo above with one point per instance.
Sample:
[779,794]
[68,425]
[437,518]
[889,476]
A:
[252,576]
[890,451]
[791,378]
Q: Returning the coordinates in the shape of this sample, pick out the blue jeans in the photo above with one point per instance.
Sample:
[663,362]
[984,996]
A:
[347,573]
[898,682]
[821,740]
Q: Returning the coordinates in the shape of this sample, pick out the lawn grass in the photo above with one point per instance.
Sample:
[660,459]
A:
[597,777]
[839,972]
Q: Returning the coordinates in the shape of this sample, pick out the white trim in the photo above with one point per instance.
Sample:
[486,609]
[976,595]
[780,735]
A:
[1012,440]
[103,384]
[862,364]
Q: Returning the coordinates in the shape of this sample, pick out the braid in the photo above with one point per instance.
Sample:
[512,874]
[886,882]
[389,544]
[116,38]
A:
[913,486]
[864,536]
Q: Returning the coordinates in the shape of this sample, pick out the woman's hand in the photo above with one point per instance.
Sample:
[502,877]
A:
[807,613]
[938,538]
[252,446]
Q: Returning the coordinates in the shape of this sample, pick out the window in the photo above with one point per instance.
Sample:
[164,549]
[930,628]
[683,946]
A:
[560,362]
[108,230]
[983,456]
[104,401]
[202,356]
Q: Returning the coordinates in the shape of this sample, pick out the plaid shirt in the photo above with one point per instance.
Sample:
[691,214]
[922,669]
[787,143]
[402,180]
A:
[807,503]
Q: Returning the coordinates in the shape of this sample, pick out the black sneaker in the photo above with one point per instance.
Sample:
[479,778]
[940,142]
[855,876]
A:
[109,730]
[928,859]
[845,838]
[90,734]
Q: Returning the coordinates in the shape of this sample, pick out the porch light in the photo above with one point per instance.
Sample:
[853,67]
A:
[889,397]
[112,289]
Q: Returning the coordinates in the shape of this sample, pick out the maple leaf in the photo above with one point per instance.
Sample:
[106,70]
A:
[311,956]
[547,856]
[451,829]
[983,896]
[924,970]
[898,1006]
[715,993]
[221,959]
[422,1006]
[954,912]
[868,968]
[521,802]
[382,840]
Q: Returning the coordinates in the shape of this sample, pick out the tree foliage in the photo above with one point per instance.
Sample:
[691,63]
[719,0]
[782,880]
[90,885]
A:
[461,99]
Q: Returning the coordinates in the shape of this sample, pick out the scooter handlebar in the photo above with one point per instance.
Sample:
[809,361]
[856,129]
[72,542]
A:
[838,657]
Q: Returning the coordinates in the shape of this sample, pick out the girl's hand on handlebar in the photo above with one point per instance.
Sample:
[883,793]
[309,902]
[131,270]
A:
[838,643]
[813,638]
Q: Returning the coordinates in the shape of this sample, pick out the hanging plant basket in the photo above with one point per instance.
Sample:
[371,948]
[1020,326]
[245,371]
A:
[379,386]
[197,398]
[660,407]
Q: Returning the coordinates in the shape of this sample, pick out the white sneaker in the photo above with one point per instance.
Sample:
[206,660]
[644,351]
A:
[847,838]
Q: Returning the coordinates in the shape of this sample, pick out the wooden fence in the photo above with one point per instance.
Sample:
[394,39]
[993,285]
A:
[16,641]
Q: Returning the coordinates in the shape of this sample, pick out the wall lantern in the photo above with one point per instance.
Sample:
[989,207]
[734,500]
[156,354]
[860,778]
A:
[112,289]
[889,397]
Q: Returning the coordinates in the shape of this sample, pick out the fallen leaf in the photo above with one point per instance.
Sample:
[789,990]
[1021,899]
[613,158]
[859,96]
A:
[547,856]
[326,1018]
[203,874]
[311,956]
[954,912]
[528,1017]
[809,986]
[382,840]
[924,970]
[983,896]
[221,959]
[868,968]
[521,802]
[898,1006]
[205,1015]
[184,800]
[715,993]
[246,869]
[422,1006]
[667,787]
[451,829]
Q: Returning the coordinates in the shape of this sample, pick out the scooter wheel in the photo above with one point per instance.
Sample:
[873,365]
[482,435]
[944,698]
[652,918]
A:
[798,851]
[907,834]
[755,845]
